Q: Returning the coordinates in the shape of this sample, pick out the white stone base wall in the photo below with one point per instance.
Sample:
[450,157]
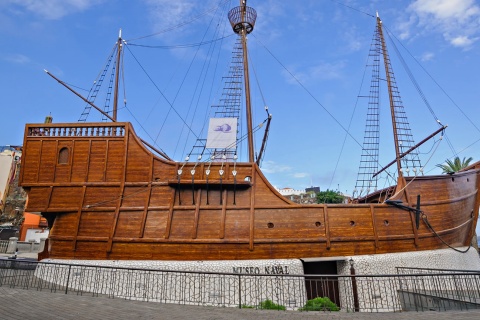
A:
[435,259]
[189,282]
[198,282]
[384,295]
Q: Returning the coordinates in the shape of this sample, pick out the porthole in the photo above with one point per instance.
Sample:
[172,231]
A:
[352,223]
[386,223]
[270,225]
[318,224]
[248,178]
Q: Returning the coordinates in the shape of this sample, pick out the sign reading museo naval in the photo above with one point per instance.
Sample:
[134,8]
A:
[222,133]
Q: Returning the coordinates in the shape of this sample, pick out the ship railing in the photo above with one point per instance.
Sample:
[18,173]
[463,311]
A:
[107,130]
[351,293]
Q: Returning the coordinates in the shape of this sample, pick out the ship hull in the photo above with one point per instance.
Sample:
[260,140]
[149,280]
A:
[106,196]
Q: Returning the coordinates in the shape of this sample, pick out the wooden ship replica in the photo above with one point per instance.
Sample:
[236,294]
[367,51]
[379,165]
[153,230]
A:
[107,195]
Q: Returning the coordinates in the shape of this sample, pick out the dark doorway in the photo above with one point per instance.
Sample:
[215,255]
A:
[318,286]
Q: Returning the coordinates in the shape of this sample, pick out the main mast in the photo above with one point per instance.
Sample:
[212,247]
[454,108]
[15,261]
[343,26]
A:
[117,75]
[242,19]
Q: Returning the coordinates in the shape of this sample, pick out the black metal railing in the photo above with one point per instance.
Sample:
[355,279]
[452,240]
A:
[415,291]
[440,289]
[4,246]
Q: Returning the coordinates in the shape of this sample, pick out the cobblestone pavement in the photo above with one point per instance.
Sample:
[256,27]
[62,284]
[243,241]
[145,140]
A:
[24,304]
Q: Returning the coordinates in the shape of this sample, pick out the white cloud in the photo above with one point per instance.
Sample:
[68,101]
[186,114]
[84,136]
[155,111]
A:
[461,41]
[18,58]
[273,167]
[300,175]
[457,20]
[320,71]
[427,56]
[53,9]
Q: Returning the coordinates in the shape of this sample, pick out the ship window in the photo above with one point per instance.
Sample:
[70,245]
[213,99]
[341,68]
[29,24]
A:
[270,225]
[63,156]
[318,224]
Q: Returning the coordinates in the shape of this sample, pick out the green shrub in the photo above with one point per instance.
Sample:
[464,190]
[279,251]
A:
[268,304]
[320,304]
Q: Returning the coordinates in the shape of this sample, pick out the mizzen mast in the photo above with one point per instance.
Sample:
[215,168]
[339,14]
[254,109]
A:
[242,19]
[402,135]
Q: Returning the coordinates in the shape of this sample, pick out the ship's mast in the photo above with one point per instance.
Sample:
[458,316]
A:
[386,60]
[242,19]
[117,75]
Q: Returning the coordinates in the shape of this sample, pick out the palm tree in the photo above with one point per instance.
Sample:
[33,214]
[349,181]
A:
[455,165]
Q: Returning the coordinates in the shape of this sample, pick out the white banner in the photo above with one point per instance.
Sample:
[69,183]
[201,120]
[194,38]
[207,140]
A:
[222,133]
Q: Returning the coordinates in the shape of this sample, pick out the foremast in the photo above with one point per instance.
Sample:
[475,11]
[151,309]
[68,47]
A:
[242,20]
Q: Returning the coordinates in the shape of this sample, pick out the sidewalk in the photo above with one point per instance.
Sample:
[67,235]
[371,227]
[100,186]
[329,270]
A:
[20,304]
[21,255]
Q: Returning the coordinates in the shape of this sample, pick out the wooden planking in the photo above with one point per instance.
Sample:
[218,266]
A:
[354,222]
[253,191]
[30,161]
[374,224]
[80,161]
[97,161]
[121,195]
[277,224]
[209,225]
[237,225]
[94,224]
[161,196]
[148,196]
[135,196]
[78,217]
[168,227]
[197,214]
[48,157]
[156,224]
[115,166]
[66,197]
[182,224]
[327,226]
[137,168]
[223,214]
[87,250]
[128,223]
[102,196]
[37,199]
[65,224]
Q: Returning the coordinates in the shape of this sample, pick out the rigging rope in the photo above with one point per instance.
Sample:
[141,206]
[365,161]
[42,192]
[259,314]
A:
[205,66]
[184,23]
[443,90]
[350,7]
[180,46]
[161,92]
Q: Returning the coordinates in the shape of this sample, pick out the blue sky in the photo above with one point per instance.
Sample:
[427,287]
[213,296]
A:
[323,43]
